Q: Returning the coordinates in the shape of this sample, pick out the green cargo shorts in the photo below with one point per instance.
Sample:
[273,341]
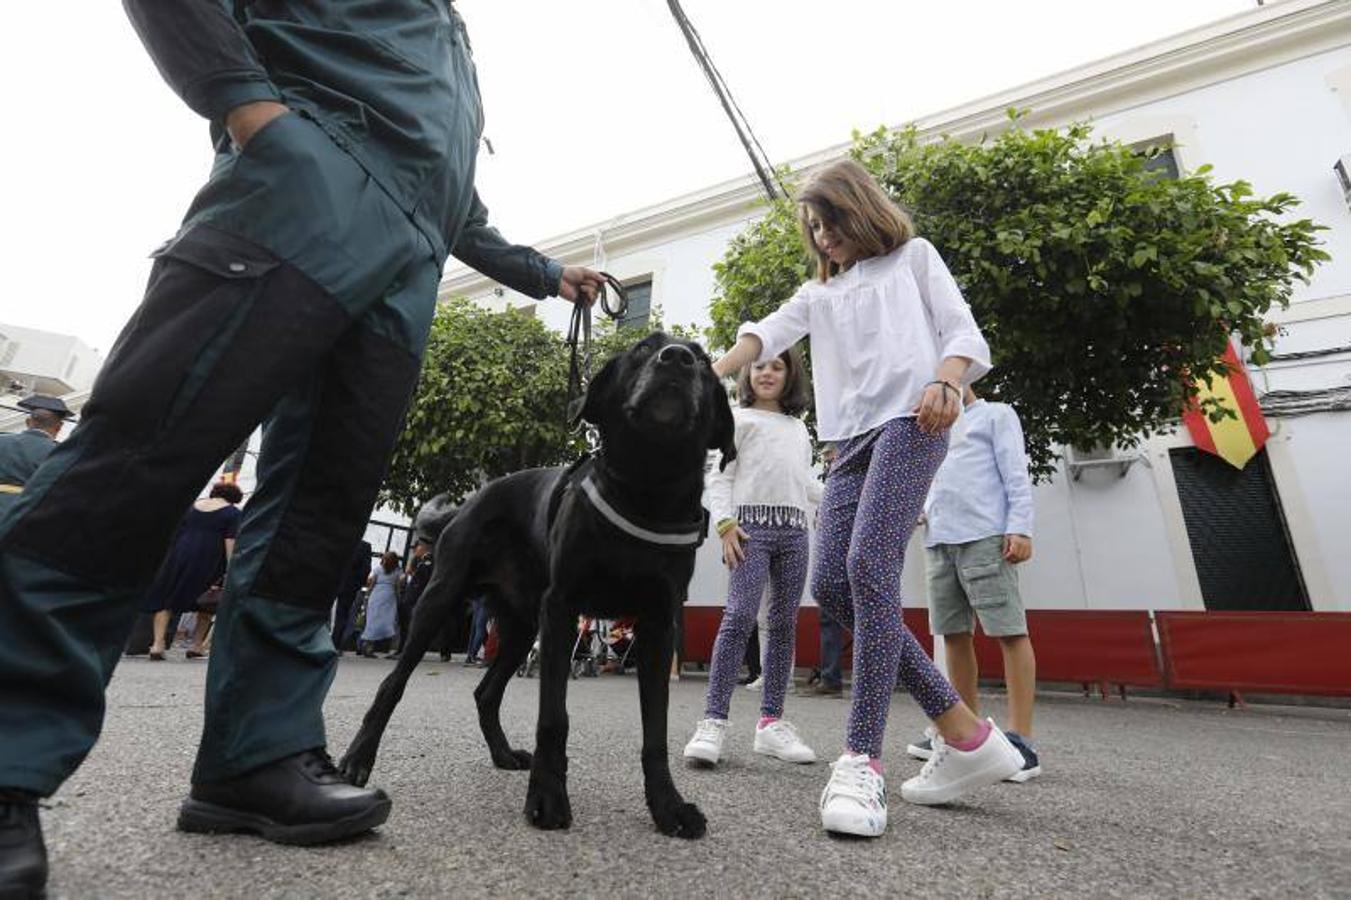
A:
[970,581]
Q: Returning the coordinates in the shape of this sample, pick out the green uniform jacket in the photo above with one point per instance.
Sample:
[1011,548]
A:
[22,453]
[392,82]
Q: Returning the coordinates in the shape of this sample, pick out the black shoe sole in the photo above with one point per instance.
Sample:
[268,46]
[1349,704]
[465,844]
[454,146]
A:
[22,893]
[199,817]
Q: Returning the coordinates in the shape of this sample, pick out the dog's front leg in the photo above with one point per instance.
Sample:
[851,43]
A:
[546,801]
[669,810]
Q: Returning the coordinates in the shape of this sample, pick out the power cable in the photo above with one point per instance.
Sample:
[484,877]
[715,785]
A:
[764,170]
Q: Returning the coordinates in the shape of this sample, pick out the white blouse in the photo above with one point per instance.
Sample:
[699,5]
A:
[771,481]
[879,331]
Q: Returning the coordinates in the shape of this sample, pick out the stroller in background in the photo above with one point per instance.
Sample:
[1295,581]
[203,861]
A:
[601,645]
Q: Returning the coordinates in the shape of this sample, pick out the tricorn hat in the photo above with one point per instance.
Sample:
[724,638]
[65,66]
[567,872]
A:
[51,404]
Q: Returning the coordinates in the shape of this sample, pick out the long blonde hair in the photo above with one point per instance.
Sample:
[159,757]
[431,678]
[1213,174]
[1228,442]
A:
[852,203]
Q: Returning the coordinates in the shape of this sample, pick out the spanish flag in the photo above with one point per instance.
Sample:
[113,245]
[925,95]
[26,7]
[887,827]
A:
[1234,440]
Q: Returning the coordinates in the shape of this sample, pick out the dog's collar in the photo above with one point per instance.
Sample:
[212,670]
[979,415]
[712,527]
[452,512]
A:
[665,535]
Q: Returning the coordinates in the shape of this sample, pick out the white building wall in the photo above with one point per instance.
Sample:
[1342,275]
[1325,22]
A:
[1280,129]
[61,363]
[1110,542]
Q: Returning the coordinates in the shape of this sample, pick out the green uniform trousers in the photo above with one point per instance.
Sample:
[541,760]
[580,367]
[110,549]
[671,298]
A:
[296,295]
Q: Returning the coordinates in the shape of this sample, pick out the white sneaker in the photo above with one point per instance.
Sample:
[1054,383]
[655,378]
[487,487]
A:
[855,799]
[923,748]
[705,748]
[950,772]
[757,684]
[780,740]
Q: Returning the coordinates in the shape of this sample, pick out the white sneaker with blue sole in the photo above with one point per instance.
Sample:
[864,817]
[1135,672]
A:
[1031,763]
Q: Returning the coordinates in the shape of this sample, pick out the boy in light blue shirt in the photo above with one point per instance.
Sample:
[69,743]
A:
[979,515]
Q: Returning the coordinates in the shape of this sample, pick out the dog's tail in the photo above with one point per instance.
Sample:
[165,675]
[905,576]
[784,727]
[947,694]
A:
[433,518]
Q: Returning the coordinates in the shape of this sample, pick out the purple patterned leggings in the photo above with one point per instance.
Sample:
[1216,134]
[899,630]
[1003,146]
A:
[874,494]
[777,555]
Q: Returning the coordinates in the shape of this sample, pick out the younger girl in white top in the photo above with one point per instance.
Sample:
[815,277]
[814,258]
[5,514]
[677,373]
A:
[893,342]
[760,505]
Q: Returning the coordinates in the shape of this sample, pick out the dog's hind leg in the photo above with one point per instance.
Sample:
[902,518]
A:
[514,638]
[443,596]
[669,810]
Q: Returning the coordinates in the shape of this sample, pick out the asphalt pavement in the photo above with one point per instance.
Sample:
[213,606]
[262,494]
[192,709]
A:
[1151,798]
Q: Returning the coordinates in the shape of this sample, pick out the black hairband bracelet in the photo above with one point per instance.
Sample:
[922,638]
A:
[949,386]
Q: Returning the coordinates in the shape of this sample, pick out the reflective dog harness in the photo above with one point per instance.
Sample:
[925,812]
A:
[673,536]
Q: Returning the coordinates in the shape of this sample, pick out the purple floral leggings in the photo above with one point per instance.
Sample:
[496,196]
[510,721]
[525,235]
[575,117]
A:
[874,493]
[777,555]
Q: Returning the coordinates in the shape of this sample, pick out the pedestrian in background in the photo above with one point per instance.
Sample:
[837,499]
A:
[415,580]
[979,526]
[382,604]
[760,503]
[201,548]
[22,453]
[345,606]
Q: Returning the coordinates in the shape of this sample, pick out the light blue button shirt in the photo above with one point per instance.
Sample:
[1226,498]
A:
[982,489]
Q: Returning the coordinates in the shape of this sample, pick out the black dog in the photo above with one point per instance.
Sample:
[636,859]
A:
[612,536]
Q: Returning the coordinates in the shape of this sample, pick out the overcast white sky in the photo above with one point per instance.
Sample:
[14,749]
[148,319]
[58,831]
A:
[594,107]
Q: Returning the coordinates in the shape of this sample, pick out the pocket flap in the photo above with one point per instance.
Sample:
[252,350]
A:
[982,571]
[219,253]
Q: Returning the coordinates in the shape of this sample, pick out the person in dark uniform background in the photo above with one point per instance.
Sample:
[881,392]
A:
[22,453]
[419,573]
[299,289]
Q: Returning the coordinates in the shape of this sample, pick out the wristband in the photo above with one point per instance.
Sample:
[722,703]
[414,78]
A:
[950,386]
[725,525]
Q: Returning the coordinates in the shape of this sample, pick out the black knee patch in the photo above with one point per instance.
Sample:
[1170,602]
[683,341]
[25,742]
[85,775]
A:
[366,387]
[224,330]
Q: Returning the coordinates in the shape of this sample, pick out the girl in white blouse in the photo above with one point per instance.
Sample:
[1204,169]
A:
[760,503]
[893,342]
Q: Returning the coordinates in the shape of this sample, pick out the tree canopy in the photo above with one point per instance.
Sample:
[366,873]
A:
[1099,282]
[490,400]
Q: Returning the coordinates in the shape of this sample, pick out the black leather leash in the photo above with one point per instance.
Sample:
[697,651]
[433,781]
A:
[579,342]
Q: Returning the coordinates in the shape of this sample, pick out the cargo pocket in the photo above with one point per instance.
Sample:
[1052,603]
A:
[149,442]
[986,584]
[225,274]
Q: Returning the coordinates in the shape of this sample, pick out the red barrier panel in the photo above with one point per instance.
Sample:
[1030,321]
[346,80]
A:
[1084,646]
[701,630]
[1275,652]
[809,637]
[917,620]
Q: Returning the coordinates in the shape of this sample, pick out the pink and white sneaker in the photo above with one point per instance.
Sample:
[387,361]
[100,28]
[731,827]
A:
[950,773]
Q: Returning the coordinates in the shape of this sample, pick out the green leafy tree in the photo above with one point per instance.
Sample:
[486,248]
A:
[1099,283]
[490,400]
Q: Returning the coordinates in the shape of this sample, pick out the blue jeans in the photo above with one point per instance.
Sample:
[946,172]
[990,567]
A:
[832,651]
[479,630]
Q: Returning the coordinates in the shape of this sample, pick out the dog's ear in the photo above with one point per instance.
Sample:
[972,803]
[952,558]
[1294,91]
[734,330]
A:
[723,435]
[591,405]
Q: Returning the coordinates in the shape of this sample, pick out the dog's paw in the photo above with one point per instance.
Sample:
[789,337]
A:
[680,819]
[547,805]
[355,767]
[514,760]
